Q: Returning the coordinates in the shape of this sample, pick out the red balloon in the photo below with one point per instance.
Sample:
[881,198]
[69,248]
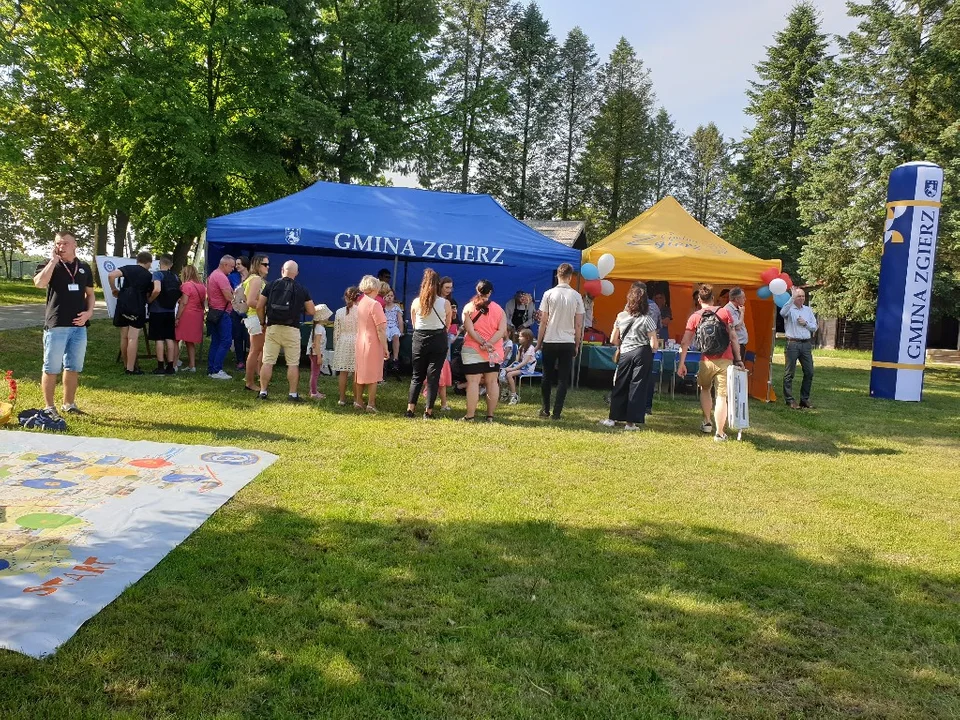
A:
[787,280]
[769,274]
[593,288]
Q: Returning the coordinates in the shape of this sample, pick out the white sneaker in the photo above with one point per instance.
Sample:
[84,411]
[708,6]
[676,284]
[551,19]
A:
[706,427]
[221,376]
[514,399]
[719,438]
[631,428]
[607,422]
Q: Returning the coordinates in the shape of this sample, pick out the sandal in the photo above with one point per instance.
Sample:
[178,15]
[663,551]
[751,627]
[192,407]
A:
[466,419]
[341,403]
[358,406]
[490,418]
[371,409]
[318,396]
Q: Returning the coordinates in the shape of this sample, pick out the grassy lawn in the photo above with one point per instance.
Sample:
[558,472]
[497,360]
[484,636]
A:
[20,292]
[387,568]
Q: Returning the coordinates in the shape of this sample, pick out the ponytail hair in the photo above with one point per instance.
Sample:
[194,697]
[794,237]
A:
[480,303]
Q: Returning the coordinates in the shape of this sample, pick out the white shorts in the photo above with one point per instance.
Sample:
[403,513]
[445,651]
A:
[252,323]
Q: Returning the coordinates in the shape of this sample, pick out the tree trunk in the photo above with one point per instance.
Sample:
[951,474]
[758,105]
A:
[180,252]
[99,248]
[121,222]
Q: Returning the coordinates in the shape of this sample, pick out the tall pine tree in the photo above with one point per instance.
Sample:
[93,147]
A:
[578,83]
[766,178]
[704,185]
[615,168]
[515,168]
[666,145]
[871,116]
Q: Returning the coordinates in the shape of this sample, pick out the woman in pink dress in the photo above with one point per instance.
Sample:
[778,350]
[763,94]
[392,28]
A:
[486,326]
[190,314]
[371,345]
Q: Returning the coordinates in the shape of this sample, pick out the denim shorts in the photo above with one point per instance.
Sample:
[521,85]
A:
[64,348]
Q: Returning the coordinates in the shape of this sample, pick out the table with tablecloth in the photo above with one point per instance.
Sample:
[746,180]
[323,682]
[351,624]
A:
[600,357]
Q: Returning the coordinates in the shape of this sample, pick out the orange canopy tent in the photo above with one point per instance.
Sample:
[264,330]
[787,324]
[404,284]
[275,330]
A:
[666,244]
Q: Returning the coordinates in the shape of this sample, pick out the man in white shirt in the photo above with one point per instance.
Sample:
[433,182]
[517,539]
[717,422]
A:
[800,325]
[561,330]
[738,301]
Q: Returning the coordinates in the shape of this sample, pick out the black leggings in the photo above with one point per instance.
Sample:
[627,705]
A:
[628,401]
[429,354]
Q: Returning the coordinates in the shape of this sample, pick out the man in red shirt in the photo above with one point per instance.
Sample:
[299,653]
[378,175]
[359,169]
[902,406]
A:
[717,352]
[219,324]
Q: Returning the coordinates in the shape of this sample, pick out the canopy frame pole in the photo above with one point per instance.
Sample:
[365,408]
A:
[773,346]
[395,262]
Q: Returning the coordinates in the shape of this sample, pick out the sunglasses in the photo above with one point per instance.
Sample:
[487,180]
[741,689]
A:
[264,264]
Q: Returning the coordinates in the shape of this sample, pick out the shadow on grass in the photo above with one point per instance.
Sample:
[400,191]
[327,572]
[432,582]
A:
[156,429]
[286,616]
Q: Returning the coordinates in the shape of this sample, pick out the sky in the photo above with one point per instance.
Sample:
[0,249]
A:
[701,53]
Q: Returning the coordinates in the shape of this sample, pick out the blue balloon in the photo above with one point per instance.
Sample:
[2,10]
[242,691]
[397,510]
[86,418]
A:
[782,299]
[589,271]
[764,292]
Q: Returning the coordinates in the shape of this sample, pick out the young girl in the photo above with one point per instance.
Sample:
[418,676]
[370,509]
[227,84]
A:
[344,341]
[526,363]
[394,315]
[315,347]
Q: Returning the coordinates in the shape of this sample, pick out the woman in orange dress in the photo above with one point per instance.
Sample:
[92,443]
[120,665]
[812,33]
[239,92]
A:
[371,345]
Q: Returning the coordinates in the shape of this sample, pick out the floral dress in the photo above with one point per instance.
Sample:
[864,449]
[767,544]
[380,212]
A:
[344,340]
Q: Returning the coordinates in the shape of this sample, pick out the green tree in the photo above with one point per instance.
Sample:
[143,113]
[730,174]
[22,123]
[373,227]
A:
[666,145]
[769,171]
[473,98]
[704,183]
[531,67]
[362,83]
[615,168]
[578,85]
[871,116]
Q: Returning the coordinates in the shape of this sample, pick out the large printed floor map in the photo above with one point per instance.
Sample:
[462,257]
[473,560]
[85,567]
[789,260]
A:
[83,518]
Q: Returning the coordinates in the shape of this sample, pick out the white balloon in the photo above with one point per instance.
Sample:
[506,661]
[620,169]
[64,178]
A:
[606,287]
[778,286]
[605,264]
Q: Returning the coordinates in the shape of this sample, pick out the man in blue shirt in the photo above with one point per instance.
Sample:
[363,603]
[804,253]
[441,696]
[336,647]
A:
[800,325]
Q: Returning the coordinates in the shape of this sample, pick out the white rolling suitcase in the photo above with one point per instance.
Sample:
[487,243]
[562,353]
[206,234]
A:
[738,408]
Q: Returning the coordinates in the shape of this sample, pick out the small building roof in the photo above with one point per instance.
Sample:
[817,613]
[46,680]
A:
[565,232]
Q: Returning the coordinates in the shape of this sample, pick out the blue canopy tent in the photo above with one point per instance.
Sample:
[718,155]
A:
[338,233]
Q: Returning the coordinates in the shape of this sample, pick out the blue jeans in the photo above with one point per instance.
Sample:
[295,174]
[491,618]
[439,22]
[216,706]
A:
[64,348]
[221,335]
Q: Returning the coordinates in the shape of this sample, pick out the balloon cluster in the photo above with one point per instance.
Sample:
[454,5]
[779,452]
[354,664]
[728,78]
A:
[593,275]
[778,286]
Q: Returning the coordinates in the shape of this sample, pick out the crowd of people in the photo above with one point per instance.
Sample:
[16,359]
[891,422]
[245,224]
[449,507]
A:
[495,347]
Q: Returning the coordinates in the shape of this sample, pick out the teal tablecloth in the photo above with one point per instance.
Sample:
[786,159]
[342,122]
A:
[597,357]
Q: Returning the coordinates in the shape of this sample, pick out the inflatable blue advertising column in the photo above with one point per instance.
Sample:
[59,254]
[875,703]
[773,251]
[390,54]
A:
[906,281]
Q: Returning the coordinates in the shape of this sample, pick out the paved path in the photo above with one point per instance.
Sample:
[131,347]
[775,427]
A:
[23,316]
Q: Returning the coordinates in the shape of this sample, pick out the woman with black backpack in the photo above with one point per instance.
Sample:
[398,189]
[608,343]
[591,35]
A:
[635,335]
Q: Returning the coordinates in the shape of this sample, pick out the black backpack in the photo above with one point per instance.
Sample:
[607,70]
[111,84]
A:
[169,290]
[280,303]
[712,334]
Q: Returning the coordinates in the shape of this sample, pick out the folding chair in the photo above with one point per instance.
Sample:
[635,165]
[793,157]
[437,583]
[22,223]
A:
[668,368]
[537,374]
